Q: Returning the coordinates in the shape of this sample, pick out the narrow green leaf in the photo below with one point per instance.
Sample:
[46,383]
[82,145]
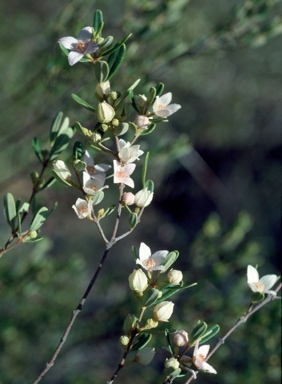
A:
[151,96]
[78,150]
[48,183]
[170,347]
[19,223]
[159,89]
[97,20]
[55,126]
[24,208]
[98,197]
[39,219]
[61,143]
[149,130]
[170,259]
[10,210]
[115,60]
[83,103]
[117,46]
[197,332]
[102,71]
[60,179]
[142,340]
[144,169]
[153,297]
[150,185]
[37,150]
[209,333]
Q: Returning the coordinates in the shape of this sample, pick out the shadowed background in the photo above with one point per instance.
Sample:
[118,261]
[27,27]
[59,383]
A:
[216,167]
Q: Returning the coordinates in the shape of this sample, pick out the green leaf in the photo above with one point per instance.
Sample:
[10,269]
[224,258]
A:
[151,96]
[55,126]
[48,183]
[149,130]
[36,147]
[154,295]
[115,60]
[10,210]
[39,219]
[170,347]
[170,259]
[142,340]
[83,102]
[159,89]
[61,143]
[117,46]
[144,169]
[98,22]
[24,208]
[150,185]
[98,197]
[209,333]
[60,179]
[197,332]
[133,220]
[257,297]
[108,211]
[102,71]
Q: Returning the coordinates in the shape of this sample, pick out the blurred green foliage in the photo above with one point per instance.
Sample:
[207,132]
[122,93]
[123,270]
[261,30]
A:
[218,204]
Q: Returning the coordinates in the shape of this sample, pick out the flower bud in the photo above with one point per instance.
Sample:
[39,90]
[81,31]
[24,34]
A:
[145,355]
[103,89]
[140,101]
[180,338]
[143,198]
[142,121]
[129,323]
[138,281]
[105,112]
[171,363]
[62,170]
[163,311]
[124,340]
[96,137]
[128,198]
[174,276]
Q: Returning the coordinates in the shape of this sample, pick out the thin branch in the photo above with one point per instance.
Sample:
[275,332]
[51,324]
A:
[242,320]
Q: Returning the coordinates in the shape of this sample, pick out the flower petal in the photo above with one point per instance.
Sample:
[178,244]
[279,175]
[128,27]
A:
[268,281]
[91,47]
[68,42]
[252,275]
[74,57]
[173,108]
[144,252]
[165,99]
[85,34]
[159,257]
[203,350]
[208,368]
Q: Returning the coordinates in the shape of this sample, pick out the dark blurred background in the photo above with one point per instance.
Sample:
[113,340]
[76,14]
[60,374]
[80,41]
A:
[216,167]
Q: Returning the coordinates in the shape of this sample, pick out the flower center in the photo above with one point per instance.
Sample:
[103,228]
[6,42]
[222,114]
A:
[160,106]
[121,175]
[81,47]
[93,187]
[83,210]
[91,169]
[259,286]
[149,264]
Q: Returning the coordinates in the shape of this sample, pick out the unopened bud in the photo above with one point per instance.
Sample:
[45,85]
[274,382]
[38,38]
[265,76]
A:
[163,311]
[61,170]
[174,276]
[180,338]
[143,198]
[105,112]
[142,121]
[171,363]
[140,101]
[138,281]
[128,198]
[124,340]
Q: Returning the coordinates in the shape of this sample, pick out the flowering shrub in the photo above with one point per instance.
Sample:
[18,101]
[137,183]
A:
[155,281]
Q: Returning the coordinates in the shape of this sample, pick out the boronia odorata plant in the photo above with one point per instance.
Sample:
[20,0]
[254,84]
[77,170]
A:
[122,117]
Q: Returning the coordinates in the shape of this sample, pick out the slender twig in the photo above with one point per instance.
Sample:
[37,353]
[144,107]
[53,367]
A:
[242,320]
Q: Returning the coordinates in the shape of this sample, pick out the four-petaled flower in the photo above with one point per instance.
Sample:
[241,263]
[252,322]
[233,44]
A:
[262,285]
[199,358]
[128,153]
[151,262]
[91,185]
[97,171]
[122,173]
[162,108]
[79,47]
[82,208]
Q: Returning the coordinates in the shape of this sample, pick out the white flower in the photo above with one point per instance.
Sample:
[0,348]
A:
[122,173]
[97,171]
[151,262]
[162,108]
[163,311]
[91,185]
[142,121]
[61,169]
[262,285]
[145,355]
[138,281]
[80,46]
[128,153]
[82,208]
[143,198]
[199,358]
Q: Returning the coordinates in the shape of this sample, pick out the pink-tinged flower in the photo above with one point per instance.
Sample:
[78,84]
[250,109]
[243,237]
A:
[97,171]
[163,311]
[79,47]
[262,285]
[122,173]
[199,358]
[162,108]
[82,208]
[128,153]
[91,185]
[151,262]
[142,121]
